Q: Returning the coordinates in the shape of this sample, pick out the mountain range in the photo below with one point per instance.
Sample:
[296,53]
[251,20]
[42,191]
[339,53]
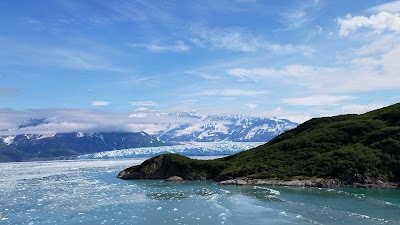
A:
[210,128]
[41,146]
[346,150]
[181,127]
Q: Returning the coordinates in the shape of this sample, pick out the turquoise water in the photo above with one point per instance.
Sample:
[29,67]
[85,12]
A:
[88,192]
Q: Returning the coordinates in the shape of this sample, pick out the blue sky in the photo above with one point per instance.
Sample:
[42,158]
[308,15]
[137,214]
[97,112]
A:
[288,59]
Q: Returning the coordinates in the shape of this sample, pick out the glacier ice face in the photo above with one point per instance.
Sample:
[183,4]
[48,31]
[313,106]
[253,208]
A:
[187,149]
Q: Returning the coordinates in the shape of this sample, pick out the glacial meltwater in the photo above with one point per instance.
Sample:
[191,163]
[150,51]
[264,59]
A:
[88,192]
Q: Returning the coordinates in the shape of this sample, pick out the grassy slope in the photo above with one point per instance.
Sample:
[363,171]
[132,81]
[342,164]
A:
[353,148]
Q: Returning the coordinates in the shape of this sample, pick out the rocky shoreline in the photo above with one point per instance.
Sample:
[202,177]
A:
[173,167]
[318,182]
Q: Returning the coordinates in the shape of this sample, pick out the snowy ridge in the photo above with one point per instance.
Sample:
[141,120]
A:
[180,127]
[225,128]
[8,140]
[188,149]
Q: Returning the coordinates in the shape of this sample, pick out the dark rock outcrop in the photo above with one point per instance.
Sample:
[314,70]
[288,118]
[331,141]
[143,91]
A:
[159,167]
[169,165]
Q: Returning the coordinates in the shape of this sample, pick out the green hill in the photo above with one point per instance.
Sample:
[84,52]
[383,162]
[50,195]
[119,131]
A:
[351,148]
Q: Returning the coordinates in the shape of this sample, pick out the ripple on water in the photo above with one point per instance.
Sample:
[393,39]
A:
[88,192]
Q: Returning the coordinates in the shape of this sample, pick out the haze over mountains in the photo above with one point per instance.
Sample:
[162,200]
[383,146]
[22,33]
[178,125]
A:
[169,127]
[162,129]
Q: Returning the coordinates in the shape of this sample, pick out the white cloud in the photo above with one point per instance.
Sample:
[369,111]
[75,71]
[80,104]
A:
[379,45]
[392,7]
[100,103]
[316,100]
[383,21]
[296,18]
[230,39]
[358,108]
[295,116]
[292,71]
[350,109]
[300,15]
[241,41]
[252,106]
[144,103]
[178,46]
[356,73]
[237,92]
[390,62]
[231,92]
[83,120]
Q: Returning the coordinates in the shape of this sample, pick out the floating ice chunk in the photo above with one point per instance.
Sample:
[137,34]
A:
[275,192]
[283,213]
[159,208]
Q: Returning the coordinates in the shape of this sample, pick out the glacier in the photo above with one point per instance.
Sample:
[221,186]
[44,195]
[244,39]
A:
[187,149]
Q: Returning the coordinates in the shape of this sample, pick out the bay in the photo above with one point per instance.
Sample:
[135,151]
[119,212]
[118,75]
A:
[88,192]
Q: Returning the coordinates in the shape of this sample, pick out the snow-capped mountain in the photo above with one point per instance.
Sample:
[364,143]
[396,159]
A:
[235,128]
[74,143]
[207,128]
[159,129]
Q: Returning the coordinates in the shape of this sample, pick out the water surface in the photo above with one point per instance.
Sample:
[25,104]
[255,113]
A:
[88,192]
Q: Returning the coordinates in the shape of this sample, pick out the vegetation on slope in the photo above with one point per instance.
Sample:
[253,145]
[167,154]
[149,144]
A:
[352,148]
[9,154]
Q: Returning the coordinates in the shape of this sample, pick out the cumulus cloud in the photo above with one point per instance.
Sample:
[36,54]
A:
[100,103]
[383,21]
[316,100]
